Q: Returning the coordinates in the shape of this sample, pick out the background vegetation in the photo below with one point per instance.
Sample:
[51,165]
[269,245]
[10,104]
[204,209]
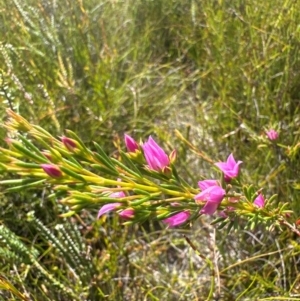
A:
[220,72]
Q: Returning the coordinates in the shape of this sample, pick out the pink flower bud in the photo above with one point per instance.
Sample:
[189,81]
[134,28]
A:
[177,219]
[51,170]
[47,155]
[173,156]
[230,168]
[155,156]
[69,143]
[127,213]
[130,143]
[272,134]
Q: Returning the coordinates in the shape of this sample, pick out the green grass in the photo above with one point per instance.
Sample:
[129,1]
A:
[218,71]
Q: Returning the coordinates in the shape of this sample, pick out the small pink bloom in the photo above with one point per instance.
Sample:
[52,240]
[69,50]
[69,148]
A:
[69,143]
[207,183]
[177,219]
[259,201]
[107,208]
[272,134]
[130,143]
[127,213]
[111,206]
[212,194]
[230,168]
[51,170]
[118,194]
[155,156]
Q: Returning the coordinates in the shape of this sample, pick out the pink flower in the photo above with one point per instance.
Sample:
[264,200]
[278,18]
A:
[207,183]
[69,143]
[272,134]
[112,206]
[118,194]
[212,194]
[259,201]
[107,208]
[177,219]
[127,213]
[51,170]
[130,143]
[230,168]
[155,156]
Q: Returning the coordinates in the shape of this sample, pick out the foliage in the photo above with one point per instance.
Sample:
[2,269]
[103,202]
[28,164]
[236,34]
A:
[221,72]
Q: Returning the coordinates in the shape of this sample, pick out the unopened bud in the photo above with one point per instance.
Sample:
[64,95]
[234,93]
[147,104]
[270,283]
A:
[127,213]
[130,143]
[51,170]
[69,143]
[47,155]
[173,156]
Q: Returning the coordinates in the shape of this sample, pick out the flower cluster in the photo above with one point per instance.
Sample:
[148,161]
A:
[139,184]
[211,192]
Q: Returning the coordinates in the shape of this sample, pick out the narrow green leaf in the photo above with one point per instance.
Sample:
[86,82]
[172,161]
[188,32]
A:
[103,156]
[72,162]
[105,170]
[125,167]
[16,181]
[72,174]
[131,165]
[29,153]
[218,220]
[141,201]
[139,191]
[75,137]
[175,174]
[36,184]
[27,165]
[33,147]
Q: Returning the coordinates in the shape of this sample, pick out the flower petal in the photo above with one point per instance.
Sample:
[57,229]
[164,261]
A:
[230,168]
[259,201]
[207,183]
[213,194]
[130,143]
[127,213]
[118,194]
[177,219]
[209,208]
[107,208]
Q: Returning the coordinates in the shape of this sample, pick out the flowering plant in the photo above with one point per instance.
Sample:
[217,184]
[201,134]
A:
[141,183]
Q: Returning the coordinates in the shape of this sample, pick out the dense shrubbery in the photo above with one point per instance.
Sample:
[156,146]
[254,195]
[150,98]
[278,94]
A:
[220,72]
